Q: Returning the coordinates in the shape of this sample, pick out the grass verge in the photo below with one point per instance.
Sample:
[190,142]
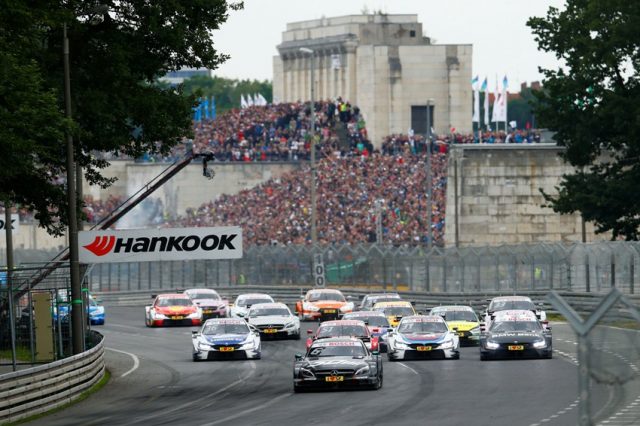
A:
[556,317]
[22,354]
[86,394]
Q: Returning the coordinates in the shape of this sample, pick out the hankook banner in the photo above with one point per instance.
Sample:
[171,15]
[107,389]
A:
[147,245]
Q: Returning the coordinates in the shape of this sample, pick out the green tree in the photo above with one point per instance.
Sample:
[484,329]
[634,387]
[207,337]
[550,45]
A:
[226,91]
[520,110]
[591,102]
[117,52]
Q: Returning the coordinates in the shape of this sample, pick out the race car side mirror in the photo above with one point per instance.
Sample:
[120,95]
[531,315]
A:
[299,356]
[153,296]
[375,352]
[455,328]
[246,319]
[194,333]
[309,331]
[390,330]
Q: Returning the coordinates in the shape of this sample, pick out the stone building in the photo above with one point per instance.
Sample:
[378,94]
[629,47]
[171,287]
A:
[381,63]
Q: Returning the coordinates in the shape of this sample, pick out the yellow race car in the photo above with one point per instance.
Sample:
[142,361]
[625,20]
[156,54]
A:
[394,311]
[462,320]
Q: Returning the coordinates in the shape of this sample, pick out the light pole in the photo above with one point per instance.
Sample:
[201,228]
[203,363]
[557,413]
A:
[314,218]
[77,327]
[429,177]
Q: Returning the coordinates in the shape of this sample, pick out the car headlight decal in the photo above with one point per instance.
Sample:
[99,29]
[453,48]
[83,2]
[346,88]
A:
[364,371]
[540,344]
[492,345]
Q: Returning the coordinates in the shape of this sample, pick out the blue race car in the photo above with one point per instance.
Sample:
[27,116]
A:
[420,337]
[95,312]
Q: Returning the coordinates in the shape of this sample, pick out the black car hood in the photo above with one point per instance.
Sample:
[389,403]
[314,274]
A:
[513,336]
[335,363]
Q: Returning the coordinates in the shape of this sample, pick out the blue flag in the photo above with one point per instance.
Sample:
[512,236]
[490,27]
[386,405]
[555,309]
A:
[205,106]
[213,108]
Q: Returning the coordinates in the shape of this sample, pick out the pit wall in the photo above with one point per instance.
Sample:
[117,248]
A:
[498,199]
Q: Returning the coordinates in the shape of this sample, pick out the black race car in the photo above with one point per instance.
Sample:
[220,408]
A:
[336,363]
[516,334]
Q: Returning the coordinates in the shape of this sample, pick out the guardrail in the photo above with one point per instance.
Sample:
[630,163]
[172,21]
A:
[583,303]
[39,389]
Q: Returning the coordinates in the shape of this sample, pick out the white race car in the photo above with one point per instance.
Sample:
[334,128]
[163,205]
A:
[420,337]
[274,320]
[226,338]
[510,303]
[240,307]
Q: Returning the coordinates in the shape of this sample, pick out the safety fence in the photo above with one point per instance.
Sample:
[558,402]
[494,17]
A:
[42,388]
[593,267]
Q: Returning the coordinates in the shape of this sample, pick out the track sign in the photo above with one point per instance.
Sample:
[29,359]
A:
[318,271]
[148,245]
[15,222]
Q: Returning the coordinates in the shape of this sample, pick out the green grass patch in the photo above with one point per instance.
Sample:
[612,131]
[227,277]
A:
[22,354]
[632,325]
[86,394]
[556,317]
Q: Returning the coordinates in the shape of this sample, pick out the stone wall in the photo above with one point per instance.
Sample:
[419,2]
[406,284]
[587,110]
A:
[499,199]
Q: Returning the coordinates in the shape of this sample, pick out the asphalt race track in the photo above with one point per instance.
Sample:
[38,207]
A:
[154,381]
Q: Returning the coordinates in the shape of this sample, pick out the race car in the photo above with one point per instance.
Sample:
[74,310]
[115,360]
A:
[274,320]
[336,363]
[505,303]
[172,309]
[225,338]
[376,322]
[371,299]
[395,311]
[240,307]
[423,336]
[95,312]
[323,304]
[516,334]
[344,328]
[461,320]
[212,305]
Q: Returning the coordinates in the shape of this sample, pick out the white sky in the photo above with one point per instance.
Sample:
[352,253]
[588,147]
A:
[502,43]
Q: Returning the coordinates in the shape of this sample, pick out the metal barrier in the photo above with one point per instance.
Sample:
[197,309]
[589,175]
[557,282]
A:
[593,267]
[36,390]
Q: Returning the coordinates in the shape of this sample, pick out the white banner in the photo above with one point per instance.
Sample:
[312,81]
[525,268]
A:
[15,221]
[148,245]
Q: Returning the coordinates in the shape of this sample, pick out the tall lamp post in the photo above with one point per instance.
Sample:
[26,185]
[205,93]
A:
[77,326]
[314,230]
[429,177]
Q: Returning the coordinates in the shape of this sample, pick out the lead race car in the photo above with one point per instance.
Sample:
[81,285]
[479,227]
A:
[226,338]
[172,309]
[274,320]
[516,334]
[505,303]
[335,363]
[422,337]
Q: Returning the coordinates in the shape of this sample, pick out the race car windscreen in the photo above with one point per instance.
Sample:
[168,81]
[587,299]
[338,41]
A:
[323,351]
[174,302]
[267,312]
[372,321]
[401,311]
[508,305]
[507,326]
[341,330]
[458,316]
[375,300]
[212,296]
[246,302]
[325,296]
[217,328]
[422,327]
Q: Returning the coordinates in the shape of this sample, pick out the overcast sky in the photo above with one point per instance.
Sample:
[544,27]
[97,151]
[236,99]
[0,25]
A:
[502,43]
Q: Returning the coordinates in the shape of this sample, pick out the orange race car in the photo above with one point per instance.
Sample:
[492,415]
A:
[323,304]
[172,309]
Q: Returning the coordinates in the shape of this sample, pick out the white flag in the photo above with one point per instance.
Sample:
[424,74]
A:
[486,108]
[476,106]
[263,101]
[243,102]
[496,100]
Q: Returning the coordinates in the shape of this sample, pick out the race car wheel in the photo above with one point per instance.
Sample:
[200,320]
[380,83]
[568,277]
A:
[195,358]
[296,336]
[456,355]
[378,384]
[483,357]
[549,355]
[392,359]
[298,389]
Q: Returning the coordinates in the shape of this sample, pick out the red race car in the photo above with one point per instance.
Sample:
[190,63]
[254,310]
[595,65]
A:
[344,328]
[172,309]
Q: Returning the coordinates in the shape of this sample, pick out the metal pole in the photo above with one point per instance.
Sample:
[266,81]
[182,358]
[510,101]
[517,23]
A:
[429,178]
[314,217]
[456,201]
[8,233]
[76,290]
[584,400]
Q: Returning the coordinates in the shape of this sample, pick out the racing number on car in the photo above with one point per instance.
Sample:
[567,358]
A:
[318,271]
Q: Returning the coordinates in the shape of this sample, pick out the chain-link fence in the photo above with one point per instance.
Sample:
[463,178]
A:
[35,325]
[575,267]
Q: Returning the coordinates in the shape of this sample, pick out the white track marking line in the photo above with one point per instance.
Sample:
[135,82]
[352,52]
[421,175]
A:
[248,411]
[136,361]
[406,366]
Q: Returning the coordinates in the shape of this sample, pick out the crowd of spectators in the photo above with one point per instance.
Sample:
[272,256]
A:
[150,212]
[278,211]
